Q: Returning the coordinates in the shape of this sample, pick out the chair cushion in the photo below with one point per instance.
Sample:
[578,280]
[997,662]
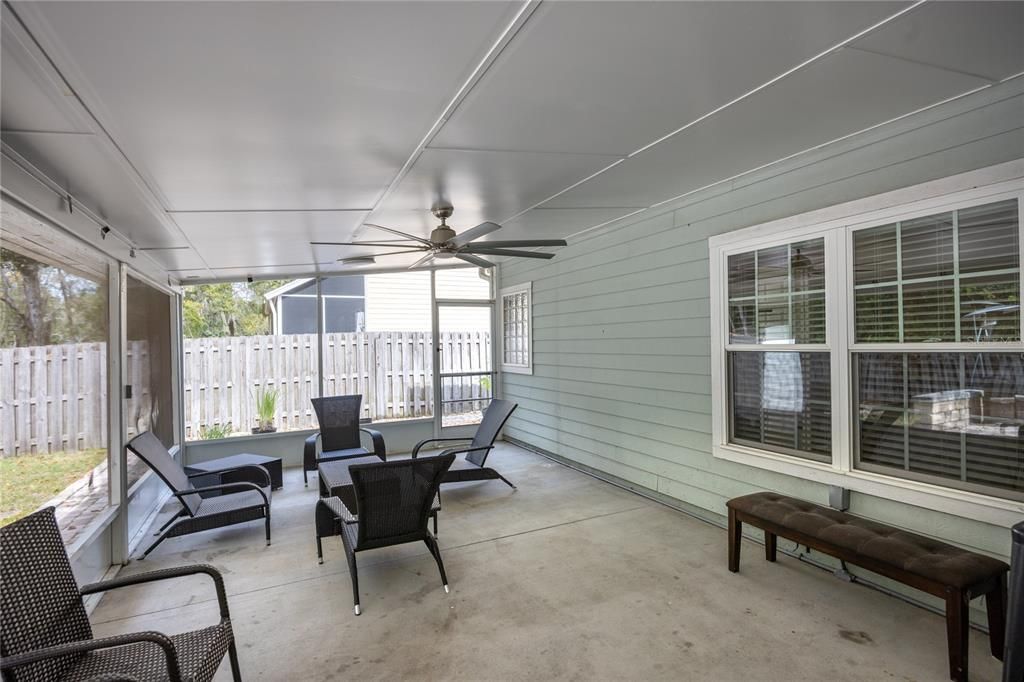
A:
[232,502]
[348,452]
[199,655]
[931,559]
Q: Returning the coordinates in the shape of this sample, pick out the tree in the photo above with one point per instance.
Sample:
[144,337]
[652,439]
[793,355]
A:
[227,309]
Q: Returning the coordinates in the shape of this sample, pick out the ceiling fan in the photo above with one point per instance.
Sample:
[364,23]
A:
[445,243]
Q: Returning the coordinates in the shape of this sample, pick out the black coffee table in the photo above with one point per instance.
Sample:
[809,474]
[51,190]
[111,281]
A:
[227,470]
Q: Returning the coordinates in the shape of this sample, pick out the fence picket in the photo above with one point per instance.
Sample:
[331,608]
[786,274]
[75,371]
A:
[54,397]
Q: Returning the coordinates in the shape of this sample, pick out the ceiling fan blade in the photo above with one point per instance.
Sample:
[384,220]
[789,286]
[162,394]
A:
[479,262]
[519,243]
[386,253]
[385,243]
[508,252]
[473,233]
[414,238]
[422,261]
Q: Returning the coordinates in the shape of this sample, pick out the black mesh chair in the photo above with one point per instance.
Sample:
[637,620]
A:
[393,502]
[339,434]
[45,634]
[472,467]
[235,502]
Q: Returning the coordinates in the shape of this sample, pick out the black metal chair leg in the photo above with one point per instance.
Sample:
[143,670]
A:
[435,522]
[236,673]
[163,536]
[268,526]
[181,512]
[319,550]
[305,478]
[355,580]
[435,550]
[506,481]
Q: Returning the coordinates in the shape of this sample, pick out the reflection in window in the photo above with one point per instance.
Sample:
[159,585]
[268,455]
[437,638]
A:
[777,295]
[948,277]
[53,375]
[781,401]
[958,417]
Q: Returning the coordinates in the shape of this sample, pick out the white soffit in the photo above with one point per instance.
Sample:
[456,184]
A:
[610,77]
[981,38]
[841,94]
[268,105]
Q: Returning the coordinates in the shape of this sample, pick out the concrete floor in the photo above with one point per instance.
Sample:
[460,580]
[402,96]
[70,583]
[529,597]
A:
[568,577]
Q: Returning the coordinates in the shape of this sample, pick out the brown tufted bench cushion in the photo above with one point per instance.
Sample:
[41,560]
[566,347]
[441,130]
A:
[949,572]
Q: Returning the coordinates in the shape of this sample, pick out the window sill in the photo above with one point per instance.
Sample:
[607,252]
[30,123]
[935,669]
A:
[517,369]
[993,510]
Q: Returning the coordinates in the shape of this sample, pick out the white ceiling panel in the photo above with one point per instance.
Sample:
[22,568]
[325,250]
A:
[30,101]
[841,94]
[267,105]
[557,223]
[982,38]
[481,185]
[238,239]
[80,164]
[177,259]
[611,77]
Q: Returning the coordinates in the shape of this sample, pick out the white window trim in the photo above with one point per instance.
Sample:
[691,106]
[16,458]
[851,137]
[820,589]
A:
[837,224]
[526,287]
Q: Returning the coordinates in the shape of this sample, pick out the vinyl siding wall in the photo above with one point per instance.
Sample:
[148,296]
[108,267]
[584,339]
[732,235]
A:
[621,380]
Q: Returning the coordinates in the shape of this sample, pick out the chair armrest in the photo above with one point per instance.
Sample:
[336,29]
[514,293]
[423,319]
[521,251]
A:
[416,449]
[164,574]
[223,487]
[83,646]
[309,452]
[459,451]
[378,442]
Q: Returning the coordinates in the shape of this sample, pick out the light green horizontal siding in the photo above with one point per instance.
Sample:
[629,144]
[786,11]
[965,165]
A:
[621,378]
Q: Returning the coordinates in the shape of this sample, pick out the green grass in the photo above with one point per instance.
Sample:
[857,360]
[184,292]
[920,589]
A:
[27,481]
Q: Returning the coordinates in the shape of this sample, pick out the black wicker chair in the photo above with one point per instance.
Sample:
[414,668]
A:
[236,502]
[393,502]
[45,634]
[339,434]
[472,467]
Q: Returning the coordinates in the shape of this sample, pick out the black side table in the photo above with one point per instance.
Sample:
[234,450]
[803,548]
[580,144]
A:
[226,470]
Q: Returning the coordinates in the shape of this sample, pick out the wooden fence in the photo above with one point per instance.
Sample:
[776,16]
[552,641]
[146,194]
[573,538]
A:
[54,398]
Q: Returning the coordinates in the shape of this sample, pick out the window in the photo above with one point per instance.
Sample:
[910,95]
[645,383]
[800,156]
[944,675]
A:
[880,350]
[517,329]
[779,398]
[53,375]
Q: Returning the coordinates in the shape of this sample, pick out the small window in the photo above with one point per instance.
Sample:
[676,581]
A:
[516,329]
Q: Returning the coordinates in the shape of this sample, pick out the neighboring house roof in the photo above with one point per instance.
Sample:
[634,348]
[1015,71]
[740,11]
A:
[285,288]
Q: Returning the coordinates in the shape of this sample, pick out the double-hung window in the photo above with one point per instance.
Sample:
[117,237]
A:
[879,348]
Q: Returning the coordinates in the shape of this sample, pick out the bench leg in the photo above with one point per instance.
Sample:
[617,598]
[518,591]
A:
[995,604]
[735,537]
[769,545]
[957,630]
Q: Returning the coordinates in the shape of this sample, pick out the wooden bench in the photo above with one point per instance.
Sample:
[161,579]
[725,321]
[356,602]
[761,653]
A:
[951,573]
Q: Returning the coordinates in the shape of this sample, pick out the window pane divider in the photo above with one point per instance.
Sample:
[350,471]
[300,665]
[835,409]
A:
[778,347]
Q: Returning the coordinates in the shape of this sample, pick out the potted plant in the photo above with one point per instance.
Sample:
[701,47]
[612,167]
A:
[266,410]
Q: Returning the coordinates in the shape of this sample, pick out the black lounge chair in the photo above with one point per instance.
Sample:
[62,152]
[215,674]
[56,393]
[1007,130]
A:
[394,500]
[237,502]
[338,437]
[45,633]
[472,467]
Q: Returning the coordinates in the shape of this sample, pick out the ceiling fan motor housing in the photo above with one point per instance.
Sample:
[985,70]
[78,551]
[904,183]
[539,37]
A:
[441,234]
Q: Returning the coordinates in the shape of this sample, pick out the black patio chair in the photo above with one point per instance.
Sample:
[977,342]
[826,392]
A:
[45,633]
[472,467]
[394,500]
[237,502]
[339,434]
